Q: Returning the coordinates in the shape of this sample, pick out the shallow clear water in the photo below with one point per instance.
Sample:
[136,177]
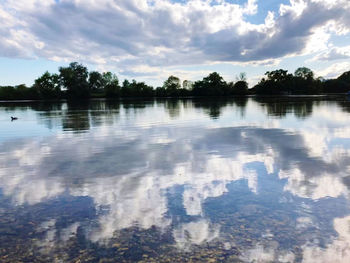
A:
[176,180]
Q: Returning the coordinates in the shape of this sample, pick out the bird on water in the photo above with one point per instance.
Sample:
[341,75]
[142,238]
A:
[14,118]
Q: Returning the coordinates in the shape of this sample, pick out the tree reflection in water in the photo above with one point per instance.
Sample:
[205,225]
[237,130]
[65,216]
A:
[131,181]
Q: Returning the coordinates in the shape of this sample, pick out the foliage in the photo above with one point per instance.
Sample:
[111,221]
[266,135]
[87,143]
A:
[96,82]
[212,85]
[74,79]
[48,86]
[172,86]
[339,85]
[111,84]
[240,88]
[75,82]
[136,89]
[280,82]
[187,85]
[20,92]
[172,83]
[304,73]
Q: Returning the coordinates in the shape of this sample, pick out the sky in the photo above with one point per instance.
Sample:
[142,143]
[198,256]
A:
[149,40]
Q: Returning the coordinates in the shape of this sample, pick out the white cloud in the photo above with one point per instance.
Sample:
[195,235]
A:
[334,70]
[333,53]
[132,35]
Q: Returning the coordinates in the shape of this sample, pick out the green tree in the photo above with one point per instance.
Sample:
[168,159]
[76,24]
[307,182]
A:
[140,89]
[125,90]
[278,75]
[74,79]
[278,82]
[96,81]
[304,73]
[212,85]
[136,89]
[241,85]
[48,86]
[240,88]
[160,92]
[345,78]
[172,85]
[187,84]
[111,84]
[214,79]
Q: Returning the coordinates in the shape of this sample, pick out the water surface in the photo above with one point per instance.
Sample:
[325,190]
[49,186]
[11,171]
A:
[246,180]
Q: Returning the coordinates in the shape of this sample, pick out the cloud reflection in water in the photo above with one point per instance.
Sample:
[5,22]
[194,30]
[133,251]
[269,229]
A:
[133,172]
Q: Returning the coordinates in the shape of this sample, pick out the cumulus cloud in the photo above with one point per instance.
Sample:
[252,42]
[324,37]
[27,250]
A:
[334,70]
[132,35]
[334,53]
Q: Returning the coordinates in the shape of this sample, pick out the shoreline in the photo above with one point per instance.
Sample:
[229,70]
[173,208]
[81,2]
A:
[182,97]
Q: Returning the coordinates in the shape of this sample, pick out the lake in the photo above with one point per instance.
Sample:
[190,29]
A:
[244,180]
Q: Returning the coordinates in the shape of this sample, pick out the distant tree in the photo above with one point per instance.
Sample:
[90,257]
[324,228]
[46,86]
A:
[136,89]
[125,90]
[111,84]
[172,85]
[19,92]
[140,89]
[304,82]
[241,85]
[214,79]
[76,82]
[277,82]
[278,75]
[23,92]
[96,81]
[304,73]
[212,85]
[280,82]
[187,84]
[240,88]
[345,77]
[126,83]
[338,85]
[335,86]
[160,92]
[74,79]
[48,86]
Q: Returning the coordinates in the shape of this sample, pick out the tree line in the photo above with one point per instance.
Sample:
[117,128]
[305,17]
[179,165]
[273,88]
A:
[303,81]
[76,82]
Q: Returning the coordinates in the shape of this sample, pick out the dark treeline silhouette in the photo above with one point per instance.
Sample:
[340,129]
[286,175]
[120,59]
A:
[280,82]
[76,82]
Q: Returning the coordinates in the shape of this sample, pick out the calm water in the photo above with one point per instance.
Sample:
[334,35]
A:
[257,180]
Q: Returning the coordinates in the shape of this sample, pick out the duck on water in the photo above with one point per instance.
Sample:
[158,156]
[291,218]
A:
[14,118]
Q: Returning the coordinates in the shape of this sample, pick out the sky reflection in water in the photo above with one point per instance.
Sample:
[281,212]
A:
[236,180]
